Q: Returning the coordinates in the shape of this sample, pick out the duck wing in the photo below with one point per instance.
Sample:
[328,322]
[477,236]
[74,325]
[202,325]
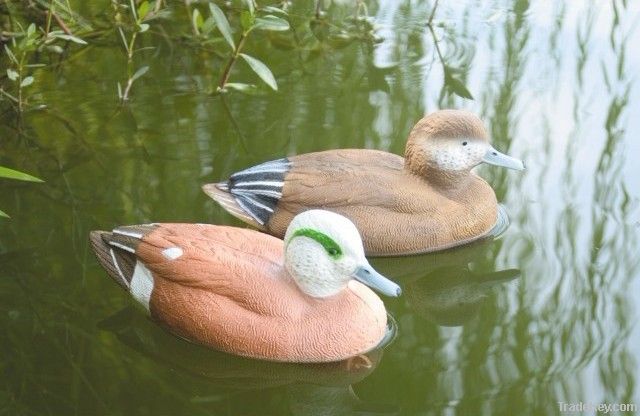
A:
[215,262]
[329,179]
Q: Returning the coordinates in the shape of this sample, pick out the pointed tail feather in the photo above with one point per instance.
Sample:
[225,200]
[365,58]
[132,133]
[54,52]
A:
[252,194]
[118,263]
[219,193]
[116,251]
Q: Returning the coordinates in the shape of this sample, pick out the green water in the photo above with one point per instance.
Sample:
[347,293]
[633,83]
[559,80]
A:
[545,314]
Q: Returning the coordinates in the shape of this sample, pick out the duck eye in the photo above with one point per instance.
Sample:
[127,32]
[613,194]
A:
[464,143]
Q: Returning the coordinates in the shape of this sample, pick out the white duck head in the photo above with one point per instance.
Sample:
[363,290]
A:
[323,252]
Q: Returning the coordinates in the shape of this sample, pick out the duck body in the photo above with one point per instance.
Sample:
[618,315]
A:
[397,211]
[227,288]
[428,201]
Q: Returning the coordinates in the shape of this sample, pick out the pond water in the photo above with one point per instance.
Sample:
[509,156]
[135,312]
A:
[544,314]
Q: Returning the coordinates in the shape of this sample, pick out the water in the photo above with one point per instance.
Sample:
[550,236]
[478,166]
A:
[544,314]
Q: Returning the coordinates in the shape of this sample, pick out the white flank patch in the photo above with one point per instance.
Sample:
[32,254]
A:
[172,253]
[142,284]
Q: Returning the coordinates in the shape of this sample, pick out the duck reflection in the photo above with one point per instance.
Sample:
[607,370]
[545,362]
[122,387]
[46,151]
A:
[452,296]
[449,287]
[310,388]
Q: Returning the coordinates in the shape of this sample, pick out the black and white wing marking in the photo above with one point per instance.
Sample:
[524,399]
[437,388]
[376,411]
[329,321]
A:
[258,189]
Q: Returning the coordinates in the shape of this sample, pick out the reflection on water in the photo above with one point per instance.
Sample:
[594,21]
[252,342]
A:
[309,388]
[543,314]
[453,296]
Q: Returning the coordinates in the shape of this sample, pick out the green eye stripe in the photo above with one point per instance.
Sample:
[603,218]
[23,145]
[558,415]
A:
[331,247]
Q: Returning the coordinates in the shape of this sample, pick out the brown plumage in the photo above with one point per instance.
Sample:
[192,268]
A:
[429,200]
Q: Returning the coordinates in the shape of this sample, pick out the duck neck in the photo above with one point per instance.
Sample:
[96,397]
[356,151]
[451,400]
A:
[448,182]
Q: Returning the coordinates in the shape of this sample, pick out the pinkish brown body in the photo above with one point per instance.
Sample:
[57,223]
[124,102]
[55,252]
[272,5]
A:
[228,290]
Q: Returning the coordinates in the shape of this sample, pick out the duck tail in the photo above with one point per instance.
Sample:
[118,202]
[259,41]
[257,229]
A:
[252,195]
[219,192]
[116,250]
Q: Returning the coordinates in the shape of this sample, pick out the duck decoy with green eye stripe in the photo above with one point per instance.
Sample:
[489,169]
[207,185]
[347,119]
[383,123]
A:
[247,293]
[427,201]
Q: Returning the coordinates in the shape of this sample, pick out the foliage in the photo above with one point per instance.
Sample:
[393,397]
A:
[23,44]
[15,175]
[32,43]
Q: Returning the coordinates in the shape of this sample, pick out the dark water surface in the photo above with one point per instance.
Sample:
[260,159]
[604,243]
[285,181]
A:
[545,314]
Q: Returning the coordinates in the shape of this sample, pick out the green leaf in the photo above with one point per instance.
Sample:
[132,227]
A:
[196,19]
[241,87]
[71,38]
[272,9]
[456,86]
[261,70]
[246,20]
[271,22]
[140,72]
[250,6]
[340,40]
[13,75]
[17,175]
[31,30]
[11,55]
[222,23]
[26,82]
[143,27]
[3,215]
[208,25]
[53,48]
[143,10]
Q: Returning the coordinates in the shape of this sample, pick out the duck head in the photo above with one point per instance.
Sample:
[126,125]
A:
[323,252]
[445,145]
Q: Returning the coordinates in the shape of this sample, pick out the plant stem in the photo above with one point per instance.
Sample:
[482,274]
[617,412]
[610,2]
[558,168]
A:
[433,35]
[49,14]
[234,57]
[433,12]
[131,46]
[435,41]
[20,69]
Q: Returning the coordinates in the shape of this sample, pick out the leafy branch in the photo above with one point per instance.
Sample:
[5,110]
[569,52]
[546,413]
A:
[140,17]
[454,84]
[250,19]
[22,45]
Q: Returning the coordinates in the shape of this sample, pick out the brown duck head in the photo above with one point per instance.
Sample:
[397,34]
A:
[445,145]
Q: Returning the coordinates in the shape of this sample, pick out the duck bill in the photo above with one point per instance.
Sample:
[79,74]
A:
[493,157]
[376,281]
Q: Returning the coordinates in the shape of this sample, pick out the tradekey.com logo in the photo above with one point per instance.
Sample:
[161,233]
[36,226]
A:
[604,408]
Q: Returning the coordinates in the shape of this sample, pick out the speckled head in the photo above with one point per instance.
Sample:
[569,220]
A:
[450,143]
[323,252]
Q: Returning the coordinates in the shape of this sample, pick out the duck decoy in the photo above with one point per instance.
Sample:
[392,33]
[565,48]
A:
[247,293]
[427,201]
